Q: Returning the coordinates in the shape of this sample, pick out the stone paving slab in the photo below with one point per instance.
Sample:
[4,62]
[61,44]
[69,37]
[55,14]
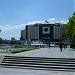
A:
[53,52]
[12,71]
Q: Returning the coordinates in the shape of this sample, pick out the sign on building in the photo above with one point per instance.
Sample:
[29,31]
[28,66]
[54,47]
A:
[46,30]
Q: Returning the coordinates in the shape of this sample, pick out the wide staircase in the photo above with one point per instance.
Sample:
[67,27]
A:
[39,63]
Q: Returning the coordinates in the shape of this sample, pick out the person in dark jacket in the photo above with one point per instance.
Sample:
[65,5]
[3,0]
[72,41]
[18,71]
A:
[64,45]
[49,45]
[60,46]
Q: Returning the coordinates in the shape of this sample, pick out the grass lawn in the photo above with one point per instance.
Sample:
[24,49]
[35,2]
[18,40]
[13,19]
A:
[18,51]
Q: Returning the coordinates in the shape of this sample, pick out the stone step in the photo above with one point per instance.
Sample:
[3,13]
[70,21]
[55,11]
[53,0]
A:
[46,62]
[39,63]
[38,58]
[41,66]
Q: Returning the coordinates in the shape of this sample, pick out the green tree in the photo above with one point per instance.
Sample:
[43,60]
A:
[13,42]
[1,41]
[70,29]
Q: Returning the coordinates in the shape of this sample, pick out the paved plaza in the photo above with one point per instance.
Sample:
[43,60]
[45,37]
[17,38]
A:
[53,52]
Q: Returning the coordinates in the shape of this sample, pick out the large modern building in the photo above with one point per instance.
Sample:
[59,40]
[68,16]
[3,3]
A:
[42,32]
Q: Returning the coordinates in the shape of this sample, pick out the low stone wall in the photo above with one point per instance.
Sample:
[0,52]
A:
[1,58]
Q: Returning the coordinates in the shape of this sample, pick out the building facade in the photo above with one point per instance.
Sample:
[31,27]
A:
[42,32]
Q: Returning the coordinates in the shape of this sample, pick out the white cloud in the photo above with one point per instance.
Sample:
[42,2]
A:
[35,22]
[8,31]
[52,19]
[63,22]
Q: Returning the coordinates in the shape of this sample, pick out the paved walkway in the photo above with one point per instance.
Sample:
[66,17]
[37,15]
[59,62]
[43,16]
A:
[53,52]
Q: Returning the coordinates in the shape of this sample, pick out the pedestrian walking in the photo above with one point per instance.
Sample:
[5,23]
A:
[49,45]
[60,46]
[66,45]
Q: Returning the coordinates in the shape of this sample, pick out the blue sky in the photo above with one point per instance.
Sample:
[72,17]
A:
[15,14]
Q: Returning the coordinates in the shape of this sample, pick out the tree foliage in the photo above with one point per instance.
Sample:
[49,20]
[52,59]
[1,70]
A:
[1,41]
[70,29]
